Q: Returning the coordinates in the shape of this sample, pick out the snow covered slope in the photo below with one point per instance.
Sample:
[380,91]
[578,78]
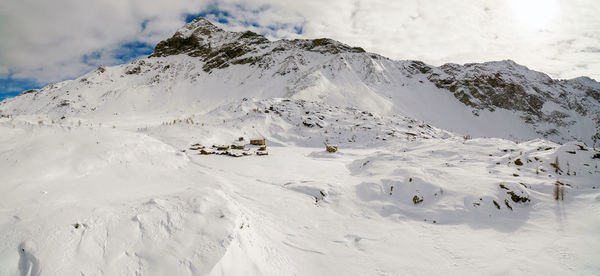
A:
[203,66]
[97,200]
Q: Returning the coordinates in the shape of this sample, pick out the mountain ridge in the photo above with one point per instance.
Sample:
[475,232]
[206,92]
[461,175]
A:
[201,56]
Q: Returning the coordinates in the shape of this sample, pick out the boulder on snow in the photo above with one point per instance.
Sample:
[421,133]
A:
[331,148]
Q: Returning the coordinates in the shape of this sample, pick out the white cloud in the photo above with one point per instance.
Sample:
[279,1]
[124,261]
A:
[465,31]
[45,40]
[3,71]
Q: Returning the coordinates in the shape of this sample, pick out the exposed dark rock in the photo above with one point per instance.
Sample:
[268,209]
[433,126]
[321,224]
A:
[134,70]
[517,198]
[416,199]
[30,91]
[179,45]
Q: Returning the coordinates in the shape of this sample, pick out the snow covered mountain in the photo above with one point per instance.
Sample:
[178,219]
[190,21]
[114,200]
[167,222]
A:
[202,67]
[148,168]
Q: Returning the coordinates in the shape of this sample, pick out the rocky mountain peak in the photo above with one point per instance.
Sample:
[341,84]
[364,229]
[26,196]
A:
[199,27]
[216,47]
[219,48]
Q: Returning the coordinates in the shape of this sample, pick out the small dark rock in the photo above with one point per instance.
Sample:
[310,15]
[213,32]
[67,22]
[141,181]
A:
[518,162]
[416,199]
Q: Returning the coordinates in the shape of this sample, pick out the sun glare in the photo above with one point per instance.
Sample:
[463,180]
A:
[533,13]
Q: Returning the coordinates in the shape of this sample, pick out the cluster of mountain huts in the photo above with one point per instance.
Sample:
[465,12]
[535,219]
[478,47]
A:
[238,148]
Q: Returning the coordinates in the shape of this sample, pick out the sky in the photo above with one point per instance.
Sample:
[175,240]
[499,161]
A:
[43,42]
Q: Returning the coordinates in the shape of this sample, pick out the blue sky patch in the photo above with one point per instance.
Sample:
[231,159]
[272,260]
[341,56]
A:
[132,50]
[145,24]
[10,87]
[299,29]
[91,58]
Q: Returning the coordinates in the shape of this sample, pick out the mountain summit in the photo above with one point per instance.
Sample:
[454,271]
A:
[203,66]
[219,48]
